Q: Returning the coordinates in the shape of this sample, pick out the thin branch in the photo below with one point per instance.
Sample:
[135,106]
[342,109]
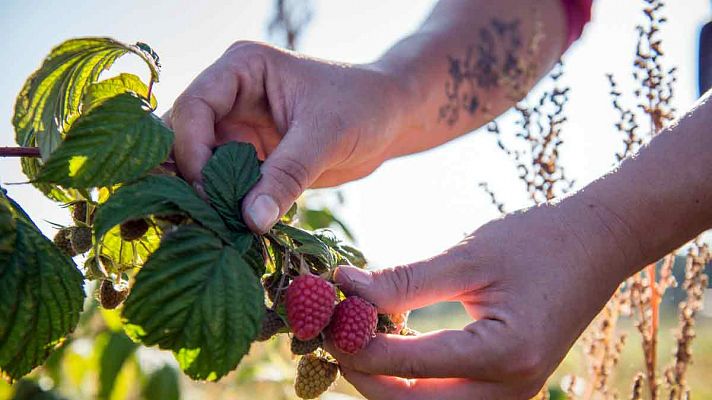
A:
[19,152]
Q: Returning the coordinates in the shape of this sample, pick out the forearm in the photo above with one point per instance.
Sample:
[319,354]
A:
[469,62]
[655,202]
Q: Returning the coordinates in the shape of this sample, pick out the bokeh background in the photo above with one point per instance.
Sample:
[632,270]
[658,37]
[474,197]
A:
[410,209]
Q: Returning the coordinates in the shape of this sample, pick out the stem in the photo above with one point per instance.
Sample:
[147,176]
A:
[150,89]
[19,152]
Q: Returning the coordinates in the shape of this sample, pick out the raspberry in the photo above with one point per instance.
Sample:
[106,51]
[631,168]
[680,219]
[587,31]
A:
[271,325]
[81,239]
[310,303]
[314,376]
[79,213]
[302,347]
[133,229]
[63,242]
[353,325]
[109,297]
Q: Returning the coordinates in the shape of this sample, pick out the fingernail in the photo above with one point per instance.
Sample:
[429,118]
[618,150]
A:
[350,277]
[264,212]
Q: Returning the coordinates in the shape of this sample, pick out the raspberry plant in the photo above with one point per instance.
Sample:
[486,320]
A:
[190,275]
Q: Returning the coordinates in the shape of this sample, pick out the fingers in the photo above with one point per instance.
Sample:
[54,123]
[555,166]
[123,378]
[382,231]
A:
[289,170]
[474,353]
[377,387]
[407,287]
[208,98]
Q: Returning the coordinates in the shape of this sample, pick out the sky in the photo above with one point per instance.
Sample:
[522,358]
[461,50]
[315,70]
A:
[411,208]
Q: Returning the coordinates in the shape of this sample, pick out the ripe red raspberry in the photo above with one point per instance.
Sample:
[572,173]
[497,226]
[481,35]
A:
[353,324]
[310,303]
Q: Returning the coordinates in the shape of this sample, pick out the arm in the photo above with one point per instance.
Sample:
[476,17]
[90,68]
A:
[534,280]
[319,123]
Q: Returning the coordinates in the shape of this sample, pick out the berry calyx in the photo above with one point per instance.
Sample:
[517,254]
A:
[133,229]
[303,347]
[109,296]
[353,324]
[310,302]
[314,376]
[272,323]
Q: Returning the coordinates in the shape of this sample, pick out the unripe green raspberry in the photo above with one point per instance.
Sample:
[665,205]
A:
[314,376]
[81,239]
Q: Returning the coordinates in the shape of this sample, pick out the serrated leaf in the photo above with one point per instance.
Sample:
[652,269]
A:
[117,350]
[117,141]
[344,253]
[41,296]
[31,167]
[99,92]
[162,384]
[228,176]
[51,97]
[8,234]
[307,243]
[157,195]
[200,299]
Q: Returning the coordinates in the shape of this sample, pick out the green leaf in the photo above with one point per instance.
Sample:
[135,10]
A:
[8,233]
[344,252]
[228,176]
[31,167]
[118,140]
[157,195]
[41,296]
[162,384]
[307,243]
[99,92]
[199,298]
[51,97]
[117,350]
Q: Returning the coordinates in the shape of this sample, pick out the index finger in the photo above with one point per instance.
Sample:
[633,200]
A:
[206,100]
[474,353]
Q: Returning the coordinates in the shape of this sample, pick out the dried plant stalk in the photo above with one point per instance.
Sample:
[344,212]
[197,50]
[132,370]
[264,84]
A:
[695,284]
[290,19]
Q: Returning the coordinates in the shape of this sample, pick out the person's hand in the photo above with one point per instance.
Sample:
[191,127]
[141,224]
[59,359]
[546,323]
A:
[315,123]
[529,282]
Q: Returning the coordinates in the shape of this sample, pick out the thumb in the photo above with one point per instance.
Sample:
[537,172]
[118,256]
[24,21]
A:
[407,287]
[289,170]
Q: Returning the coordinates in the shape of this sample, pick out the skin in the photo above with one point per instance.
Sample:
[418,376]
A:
[532,280]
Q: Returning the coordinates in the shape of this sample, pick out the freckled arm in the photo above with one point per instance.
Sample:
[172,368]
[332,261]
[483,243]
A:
[469,62]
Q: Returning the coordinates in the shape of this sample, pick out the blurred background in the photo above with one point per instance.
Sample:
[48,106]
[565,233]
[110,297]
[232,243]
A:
[411,208]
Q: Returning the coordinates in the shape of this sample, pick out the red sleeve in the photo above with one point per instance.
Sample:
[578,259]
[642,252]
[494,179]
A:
[578,13]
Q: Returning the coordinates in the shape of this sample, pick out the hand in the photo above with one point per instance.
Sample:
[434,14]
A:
[526,279]
[314,123]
